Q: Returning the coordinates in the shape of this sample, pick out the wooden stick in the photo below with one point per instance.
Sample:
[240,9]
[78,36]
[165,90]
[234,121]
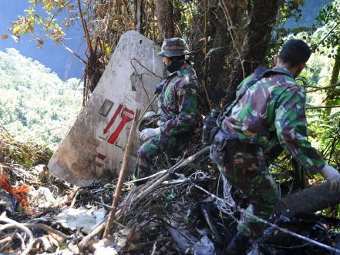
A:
[122,173]
[6,239]
[74,197]
[48,229]
[96,231]
[14,224]
[184,162]
[85,241]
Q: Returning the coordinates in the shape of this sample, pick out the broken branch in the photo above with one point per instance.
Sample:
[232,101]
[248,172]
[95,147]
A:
[14,224]
[46,228]
[121,177]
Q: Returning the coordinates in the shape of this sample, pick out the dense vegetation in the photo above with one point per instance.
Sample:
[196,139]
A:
[36,105]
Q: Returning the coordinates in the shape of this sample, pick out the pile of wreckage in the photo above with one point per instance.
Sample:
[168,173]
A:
[86,202]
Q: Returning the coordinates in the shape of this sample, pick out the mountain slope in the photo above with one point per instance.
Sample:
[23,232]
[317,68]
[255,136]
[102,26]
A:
[35,104]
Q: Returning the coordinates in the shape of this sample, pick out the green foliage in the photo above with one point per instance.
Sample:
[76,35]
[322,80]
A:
[290,8]
[35,104]
[329,20]
[187,12]
[26,154]
[323,34]
[41,19]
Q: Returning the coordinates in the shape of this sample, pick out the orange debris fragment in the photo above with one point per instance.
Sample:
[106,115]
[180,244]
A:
[19,192]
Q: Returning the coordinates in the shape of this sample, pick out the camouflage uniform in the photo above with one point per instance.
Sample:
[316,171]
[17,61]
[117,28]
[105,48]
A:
[178,109]
[267,114]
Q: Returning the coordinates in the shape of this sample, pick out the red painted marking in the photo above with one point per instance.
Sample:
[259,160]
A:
[114,117]
[127,115]
[101,156]
[127,110]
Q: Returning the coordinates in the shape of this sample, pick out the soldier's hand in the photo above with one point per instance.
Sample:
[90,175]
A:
[332,175]
[148,133]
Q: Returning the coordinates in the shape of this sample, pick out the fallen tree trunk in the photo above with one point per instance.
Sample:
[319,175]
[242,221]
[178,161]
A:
[310,200]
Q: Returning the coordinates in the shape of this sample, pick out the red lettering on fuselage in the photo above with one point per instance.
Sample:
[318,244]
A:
[126,116]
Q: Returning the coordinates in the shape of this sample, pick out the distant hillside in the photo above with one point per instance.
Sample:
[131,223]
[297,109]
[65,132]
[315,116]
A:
[35,104]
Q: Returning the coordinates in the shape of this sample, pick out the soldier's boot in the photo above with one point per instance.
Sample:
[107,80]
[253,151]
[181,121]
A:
[238,245]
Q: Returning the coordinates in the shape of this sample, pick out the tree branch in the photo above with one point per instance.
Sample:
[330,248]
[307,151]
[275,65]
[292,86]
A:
[86,31]
[321,107]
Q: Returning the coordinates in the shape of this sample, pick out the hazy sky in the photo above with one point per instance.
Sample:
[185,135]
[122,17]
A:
[51,54]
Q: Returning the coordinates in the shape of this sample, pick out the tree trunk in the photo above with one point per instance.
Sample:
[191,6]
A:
[139,16]
[315,198]
[212,46]
[262,17]
[236,34]
[165,18]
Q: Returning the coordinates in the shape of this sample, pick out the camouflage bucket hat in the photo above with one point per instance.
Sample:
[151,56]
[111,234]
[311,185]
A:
[173,47]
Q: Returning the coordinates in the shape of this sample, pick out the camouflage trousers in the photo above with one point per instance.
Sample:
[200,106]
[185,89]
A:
[244,166]
[154,147]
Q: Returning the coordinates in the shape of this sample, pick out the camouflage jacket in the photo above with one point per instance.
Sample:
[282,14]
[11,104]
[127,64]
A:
[178,102]
[272,113]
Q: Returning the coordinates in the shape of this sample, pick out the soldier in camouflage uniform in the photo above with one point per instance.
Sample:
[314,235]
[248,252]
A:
[268,113]
[177,107]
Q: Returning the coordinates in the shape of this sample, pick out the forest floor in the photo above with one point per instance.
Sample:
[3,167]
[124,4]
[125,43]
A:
[185,209]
